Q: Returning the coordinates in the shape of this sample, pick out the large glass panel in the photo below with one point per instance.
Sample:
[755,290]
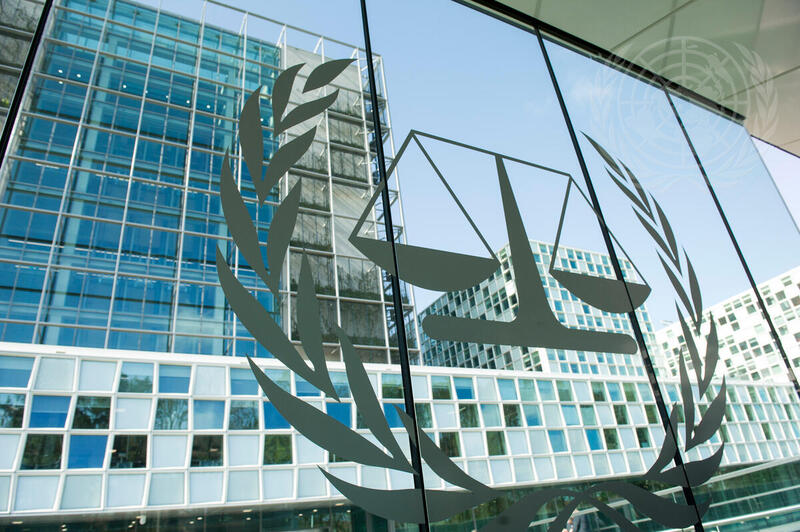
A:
[768,238]
[695,308]
[129,451]
[49,411]
[480,163]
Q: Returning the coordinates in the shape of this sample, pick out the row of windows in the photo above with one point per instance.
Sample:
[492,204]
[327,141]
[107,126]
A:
[44,451]
[139,377]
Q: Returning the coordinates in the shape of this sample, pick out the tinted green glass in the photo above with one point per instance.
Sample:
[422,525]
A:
[468,414]
[243,415]
[612,439]
[511,415]
[42,451]
[277,449]
[92,413]
[424,417]
[495,443]
[172,414]
[392,386]
[129,451]
[448,442]
[12,410]
[440,385]
[206,450]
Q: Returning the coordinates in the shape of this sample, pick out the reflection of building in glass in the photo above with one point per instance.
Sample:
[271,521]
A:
[18,19]
[745,342]
[495,299]
[114,217]
[132,432]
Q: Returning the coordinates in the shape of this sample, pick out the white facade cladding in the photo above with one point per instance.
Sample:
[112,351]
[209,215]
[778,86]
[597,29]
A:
[745,343]
[92,430]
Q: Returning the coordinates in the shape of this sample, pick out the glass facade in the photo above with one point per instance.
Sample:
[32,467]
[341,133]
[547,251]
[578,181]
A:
[605,275]
[129,113]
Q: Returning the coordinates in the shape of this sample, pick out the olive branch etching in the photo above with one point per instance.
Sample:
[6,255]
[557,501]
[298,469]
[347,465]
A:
[382,449]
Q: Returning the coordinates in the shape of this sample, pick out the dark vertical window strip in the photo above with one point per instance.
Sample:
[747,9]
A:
[22,83]
[775,336]
[637,329]
[405,368]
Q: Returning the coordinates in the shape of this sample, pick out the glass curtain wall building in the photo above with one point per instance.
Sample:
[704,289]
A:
[112,189]
[126,401]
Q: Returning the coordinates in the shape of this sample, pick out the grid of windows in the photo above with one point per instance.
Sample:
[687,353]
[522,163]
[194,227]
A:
[503,427]
[745,342]
[111,216]
[495,299]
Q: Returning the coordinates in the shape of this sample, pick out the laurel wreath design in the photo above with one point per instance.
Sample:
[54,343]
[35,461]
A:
[383,450]
[762,87]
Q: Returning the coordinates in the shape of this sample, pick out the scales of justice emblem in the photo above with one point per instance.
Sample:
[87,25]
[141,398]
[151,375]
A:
[534,325]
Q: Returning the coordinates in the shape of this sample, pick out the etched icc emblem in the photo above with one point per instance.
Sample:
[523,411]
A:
[436,269]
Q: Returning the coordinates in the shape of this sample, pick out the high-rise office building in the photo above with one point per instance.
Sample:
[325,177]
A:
[495,299]
[111,189]
[745,342]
